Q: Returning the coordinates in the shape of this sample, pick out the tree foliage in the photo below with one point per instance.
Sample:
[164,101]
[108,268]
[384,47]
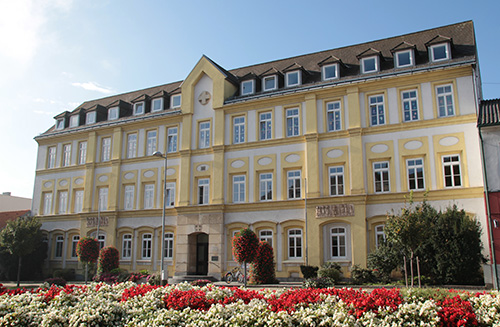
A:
[263,266]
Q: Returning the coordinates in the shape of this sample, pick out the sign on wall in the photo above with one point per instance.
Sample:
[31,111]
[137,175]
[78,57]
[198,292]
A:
[92,221]
[335,210]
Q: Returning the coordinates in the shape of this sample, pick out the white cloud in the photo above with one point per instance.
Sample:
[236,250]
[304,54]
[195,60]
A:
[48,113]
[92,86]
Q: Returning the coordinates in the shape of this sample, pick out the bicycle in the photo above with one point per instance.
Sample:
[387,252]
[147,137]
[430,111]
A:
[234,274]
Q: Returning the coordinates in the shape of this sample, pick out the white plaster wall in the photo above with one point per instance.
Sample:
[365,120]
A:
[392,114]
[466,97]
[202,111]
[252,121]
[427,103]
[63,225]
[491,144]
[152,222]
[252,217]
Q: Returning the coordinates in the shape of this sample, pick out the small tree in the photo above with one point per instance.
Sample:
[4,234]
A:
[245,245]
[21,237]
[87,250]
[263,265]
[109,259]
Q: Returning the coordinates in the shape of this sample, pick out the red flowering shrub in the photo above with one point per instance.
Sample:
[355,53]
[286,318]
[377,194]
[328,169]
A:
[87,249]
[109,259]
[456,312]
[194,299]
[245,245]
[138,290]
[263,265]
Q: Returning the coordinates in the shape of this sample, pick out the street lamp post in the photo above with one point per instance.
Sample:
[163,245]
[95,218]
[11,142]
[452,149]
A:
[162,251]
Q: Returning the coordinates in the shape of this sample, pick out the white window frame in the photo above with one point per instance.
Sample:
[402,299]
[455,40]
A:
[63,202]
[379,234]
[101,239]
[289,75]
[266,120]
[113,113]
[153,105]
[336,175]
[90,118]
[365,60]
[295,243]
[340,233]
[82,153]
[170,189]
[415,168]
[147,246]
[454,161]
[294,184]
[271,77]
[203,190]
[333,116]
[432,56]
[266,235]
[129,197]
[106,149]
[381,168]
[397,59]
[59,124]
[266,186]
[102,201]
[238,129]
[172,133]
[204,140]
[176,101]
[132,145]
[59,247]
[149,196]
[378,103]
[78,201]
[245,84]
[74,244]
[444,99]
[292,122]
[66,159]
[409,103]
[142,106]
[51,157]
[127,246]
[47,203]
[151,137]
[73,121]
[324,72]
[239,188]
[168,245]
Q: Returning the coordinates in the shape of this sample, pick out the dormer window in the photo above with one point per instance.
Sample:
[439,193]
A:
[73,121]
[404,59]
[439,52]
[138,108]
[60,123]
[369,65]
[293,78]
[113,113]
[248,87]
[175,101]
[330,72]
[157,105]
[269,83]
[90,119]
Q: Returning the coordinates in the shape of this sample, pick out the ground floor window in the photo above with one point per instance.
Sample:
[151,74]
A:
[295,243]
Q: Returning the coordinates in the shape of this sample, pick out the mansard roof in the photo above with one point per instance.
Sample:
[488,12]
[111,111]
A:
[489,113]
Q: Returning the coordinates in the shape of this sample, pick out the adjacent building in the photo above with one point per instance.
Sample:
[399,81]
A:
[311,152]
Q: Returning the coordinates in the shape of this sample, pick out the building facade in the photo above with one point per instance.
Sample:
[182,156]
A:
[311,152]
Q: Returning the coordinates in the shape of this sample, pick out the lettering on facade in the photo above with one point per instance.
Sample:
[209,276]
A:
[92,221]
[335,210]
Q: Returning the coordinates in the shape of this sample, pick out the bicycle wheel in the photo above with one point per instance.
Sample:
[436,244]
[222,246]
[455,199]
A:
[241,278]
[228,278]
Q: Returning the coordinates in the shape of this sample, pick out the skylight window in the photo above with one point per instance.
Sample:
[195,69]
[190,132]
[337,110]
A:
[404,58]
[60,123]
[329,72]
[157,105]
[73,121]
[247,87]
[269,83]
[369,65]
[138,108]
[90,119]
[293,78]
[439,52]
[113,113]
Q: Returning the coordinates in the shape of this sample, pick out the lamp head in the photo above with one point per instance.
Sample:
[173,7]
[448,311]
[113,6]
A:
[158,154]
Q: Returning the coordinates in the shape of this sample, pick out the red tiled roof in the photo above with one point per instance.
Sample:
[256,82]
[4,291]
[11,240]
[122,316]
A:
[11,215]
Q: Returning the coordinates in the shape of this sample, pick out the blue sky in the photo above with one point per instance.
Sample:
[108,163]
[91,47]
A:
[56,54]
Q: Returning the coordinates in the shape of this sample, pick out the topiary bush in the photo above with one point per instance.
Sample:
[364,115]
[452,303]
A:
[318,282]
[263,266]
[309,271]
[66,274]
[362,275]
[330,270]
[109,259]
[55,281]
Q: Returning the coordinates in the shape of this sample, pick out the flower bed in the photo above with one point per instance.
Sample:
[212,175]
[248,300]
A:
[129,304]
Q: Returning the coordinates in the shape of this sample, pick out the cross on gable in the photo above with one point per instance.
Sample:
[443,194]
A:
[204,97]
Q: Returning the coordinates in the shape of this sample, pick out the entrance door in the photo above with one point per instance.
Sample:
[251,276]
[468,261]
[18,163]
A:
[201,254]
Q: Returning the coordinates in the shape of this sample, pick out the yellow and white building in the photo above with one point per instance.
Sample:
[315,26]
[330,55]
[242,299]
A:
[311,152]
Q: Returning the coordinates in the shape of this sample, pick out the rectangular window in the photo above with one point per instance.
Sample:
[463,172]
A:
[336,180]
[266,236]
[204,135]
[338,242]
[73,121]
[150,143]
[138,108]
[247,87]
[169,246]
[293,78]
[147,240]
[149,196]
[82,153]
[175,101]
[74,243]
[131,145]
[90,118]
[66,160]
[294,243]
[404,58]
[102,240]
[203,188]
[59,247]
[369,65]
[265,124]
[377,116]
[293,184]
[451,168]
[379,235]
[410,105]
[129,197]
[334,122]
[157,105]
[78,202]
[292,122]
[113,113]
[106,149]
[415,174]
[47,203]
[51,157]
[266,186]
[239,187]
[439,52]
[329,72]
[127,246]
[63,201]
[381,177]
[60,124]
[445,101]
[103,199]
[239,129]
[172,140]
[269,83]
[170,194]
